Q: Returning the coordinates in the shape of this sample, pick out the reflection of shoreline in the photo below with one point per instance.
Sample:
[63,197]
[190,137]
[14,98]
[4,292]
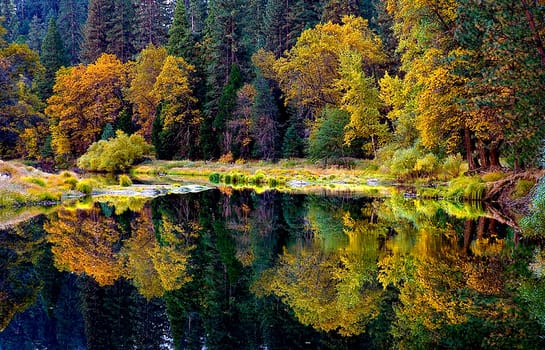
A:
[10,217]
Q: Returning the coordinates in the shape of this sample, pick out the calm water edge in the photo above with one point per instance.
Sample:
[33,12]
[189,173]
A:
[230,269]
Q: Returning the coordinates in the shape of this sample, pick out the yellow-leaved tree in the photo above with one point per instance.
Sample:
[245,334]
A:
[147,68]
[85,99]
[308,71]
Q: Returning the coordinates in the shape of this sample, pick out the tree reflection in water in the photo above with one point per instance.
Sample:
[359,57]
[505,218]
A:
[236,269]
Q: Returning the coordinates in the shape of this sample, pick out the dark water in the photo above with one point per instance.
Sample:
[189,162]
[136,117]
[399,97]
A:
[239,270]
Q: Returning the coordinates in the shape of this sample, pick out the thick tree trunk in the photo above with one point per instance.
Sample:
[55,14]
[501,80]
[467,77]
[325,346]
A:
[469,149]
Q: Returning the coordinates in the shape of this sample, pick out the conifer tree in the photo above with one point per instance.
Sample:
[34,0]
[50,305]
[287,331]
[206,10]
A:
[226,105]
[72,15]
[120,34]
[52,57]
[96,29]
[152,19]
[36,32]
[335,10]
[180,38]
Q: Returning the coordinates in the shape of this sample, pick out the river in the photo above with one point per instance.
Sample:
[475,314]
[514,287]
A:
[236,269]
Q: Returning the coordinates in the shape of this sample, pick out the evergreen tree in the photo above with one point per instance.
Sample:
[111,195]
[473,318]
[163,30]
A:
[335,10]
[9,12]
[226,105]
[96,29]
[180,38]
[120,33]
[72,15]
[275,27]
[294,144]
[36,32]
[152,19]
[52,57]
[265,125]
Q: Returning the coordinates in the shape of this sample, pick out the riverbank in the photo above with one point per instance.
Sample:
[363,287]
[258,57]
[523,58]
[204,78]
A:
[21,185]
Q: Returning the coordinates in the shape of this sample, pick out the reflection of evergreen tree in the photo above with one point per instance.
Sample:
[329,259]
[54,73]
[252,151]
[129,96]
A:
[117,317]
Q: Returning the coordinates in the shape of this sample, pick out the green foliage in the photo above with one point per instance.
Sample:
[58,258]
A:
[214,178]
[327,136]
[35,180]
[493,176]
[125,180]
[294,143]
[107,132]
[117,154]
[403,162]
[533,225]
[452,166]
[85,186]
[427,166]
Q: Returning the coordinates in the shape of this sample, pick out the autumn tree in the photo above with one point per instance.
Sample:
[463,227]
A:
[22,124]
[178,113]
[147,68]
[308,72]
[85,99]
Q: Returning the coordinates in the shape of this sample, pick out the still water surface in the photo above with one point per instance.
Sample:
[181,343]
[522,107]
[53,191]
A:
[228,269]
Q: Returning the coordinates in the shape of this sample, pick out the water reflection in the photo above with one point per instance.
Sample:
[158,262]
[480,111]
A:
[234,269]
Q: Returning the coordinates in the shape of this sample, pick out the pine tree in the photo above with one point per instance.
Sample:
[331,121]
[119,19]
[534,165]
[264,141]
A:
[52,57]
[96,29]
[11,24]
[265,124]
[120,34]
[226,104]
[36,32]
[335,10]
[180,38]
[152,19]
[72,15]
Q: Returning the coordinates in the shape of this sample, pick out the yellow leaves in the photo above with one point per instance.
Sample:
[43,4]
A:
[146,70]
[85,99]
[173,87]
[306,74]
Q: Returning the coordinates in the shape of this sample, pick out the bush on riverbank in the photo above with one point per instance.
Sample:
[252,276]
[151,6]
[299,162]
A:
[117,154]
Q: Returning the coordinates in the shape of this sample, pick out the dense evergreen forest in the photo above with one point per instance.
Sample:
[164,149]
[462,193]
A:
[404,82]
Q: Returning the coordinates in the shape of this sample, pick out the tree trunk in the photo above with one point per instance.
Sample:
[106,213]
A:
[469,149]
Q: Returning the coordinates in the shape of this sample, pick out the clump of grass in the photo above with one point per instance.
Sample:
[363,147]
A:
[522,188]
[214,178]
[35,180]
[465,188]
[85,186]
[124,180]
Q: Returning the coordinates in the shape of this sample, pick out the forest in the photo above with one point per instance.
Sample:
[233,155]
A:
[409,84]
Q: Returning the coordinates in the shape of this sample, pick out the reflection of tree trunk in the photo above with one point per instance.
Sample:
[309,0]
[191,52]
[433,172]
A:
[481,227]
[468,230]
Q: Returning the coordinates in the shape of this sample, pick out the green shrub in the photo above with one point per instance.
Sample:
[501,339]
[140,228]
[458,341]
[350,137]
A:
[259,177]
[493,176]
[117,154]
[272,182]
[125,181]
[227,179]
[427,165]
[85,186]
[403,162]
[452,166]
[470,188]
[214,178]
[72,182]
[533,225]
[35,180]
